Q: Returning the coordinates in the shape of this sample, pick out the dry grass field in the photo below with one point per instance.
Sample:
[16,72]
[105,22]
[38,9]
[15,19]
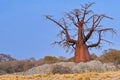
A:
[113,75]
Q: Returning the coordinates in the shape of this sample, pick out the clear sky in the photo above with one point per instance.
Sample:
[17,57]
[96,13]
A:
[25,33]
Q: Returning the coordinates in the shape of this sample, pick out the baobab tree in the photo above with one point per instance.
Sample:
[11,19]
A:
[77,28]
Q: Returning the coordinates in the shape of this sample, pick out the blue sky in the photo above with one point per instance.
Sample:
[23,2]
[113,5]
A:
[25,33]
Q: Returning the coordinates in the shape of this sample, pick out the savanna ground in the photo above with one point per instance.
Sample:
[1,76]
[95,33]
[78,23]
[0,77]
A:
[112,75]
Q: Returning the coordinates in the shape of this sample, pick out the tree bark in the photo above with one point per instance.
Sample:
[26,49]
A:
[81,53]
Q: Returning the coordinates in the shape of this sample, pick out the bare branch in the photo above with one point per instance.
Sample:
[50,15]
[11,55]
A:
[77,14]
[85,10]
[92,27]
[71,18]
[96,19]
[89,18]
[65,24]
[60,25]
[99,39]
[68,39]
[97,43]
[107,41]
[89,4]
[100,17]
[89,34]
[60,43]
[107,29]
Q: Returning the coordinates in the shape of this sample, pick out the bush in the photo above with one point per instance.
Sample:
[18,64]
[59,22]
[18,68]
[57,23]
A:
[71,59]
[50,59]
[111,55]
[15,66]
[6,57]
[61,69]
[93,56]
[2,72]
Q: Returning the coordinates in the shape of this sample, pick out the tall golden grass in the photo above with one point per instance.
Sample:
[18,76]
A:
[113,75]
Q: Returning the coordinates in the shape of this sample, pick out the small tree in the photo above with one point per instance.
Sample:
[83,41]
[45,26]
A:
[84,24]
[111,55]
[50,59]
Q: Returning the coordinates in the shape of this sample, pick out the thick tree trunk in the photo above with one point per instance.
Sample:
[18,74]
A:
[81,53]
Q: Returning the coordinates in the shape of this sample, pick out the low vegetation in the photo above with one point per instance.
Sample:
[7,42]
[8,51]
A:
[111,55]
[61,69]
[108,61]
[85,76]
